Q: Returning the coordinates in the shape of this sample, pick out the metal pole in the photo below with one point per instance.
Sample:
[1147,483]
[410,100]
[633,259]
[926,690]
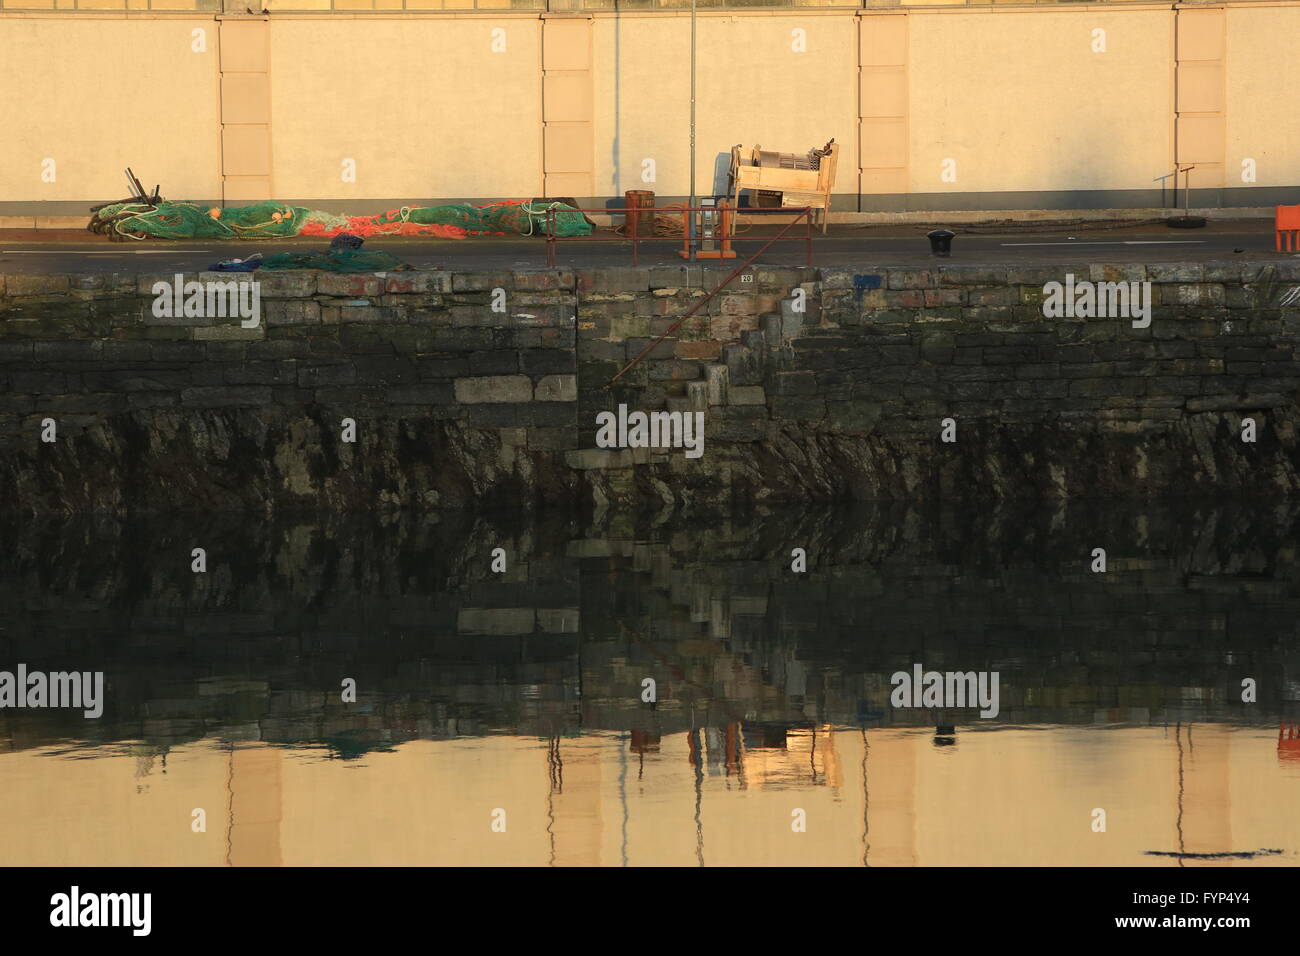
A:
[691,233]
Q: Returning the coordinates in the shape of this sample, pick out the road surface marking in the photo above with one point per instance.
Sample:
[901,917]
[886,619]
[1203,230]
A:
[1116,242]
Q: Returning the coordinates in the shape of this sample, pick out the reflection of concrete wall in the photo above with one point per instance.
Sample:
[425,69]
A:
[1026,798]
[428,110]
[428,802]
[256,806]
[1007,797]
[576,808]
[114,811]
[890,812]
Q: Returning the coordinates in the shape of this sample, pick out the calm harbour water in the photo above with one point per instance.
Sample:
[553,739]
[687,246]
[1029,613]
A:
[499,717]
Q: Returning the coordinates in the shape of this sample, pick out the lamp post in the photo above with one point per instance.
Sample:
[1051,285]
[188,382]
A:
[691,203]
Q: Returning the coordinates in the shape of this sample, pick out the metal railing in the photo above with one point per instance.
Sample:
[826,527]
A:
[701,303]
[635,236]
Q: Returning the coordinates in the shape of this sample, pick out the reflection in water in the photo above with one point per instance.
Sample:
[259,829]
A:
[506,718]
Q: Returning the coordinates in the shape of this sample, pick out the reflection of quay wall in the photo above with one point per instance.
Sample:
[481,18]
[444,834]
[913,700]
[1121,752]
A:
[739,638]
[255,649]
[458,405]
[257,646]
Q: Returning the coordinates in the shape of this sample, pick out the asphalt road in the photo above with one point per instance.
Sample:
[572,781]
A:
[76,252]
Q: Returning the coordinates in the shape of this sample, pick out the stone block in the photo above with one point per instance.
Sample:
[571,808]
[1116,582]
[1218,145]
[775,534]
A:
[715,380]
[494,389]
[225,396]
[746,395]
[556,388]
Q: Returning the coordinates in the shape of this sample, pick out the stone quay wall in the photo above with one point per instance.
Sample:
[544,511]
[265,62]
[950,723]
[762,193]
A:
[483,389]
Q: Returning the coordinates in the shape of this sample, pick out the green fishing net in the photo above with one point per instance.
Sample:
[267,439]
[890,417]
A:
[272,220]
[183,220]
[339,260]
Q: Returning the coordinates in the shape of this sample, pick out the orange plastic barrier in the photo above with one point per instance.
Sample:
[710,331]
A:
[1288,740]
[1287,224]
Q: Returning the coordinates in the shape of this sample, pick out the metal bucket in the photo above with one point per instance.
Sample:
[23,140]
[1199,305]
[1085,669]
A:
[640,205]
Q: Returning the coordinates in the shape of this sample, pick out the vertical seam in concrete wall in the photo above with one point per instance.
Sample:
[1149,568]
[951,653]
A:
[857,131]
[1200,46]
[568,107]
[245,115]
[540,66]
[219,187]
[882,72]
[1173,109]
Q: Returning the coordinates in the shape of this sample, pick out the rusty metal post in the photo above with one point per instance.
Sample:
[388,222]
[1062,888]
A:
[550,238]
[808,216]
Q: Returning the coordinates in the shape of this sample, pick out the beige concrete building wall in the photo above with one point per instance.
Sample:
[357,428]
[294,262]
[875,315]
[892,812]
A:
[97,94]
[760,81]
[934,107]
[424,107]
[111,4]
[1004,101]
[1263,94]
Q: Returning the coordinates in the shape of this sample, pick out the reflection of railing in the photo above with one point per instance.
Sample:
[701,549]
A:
[634,234]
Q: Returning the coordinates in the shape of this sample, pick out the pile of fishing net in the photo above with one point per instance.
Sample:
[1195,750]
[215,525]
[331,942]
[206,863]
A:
[272,220]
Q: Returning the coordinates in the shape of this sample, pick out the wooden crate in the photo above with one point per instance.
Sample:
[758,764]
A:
[799,187]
